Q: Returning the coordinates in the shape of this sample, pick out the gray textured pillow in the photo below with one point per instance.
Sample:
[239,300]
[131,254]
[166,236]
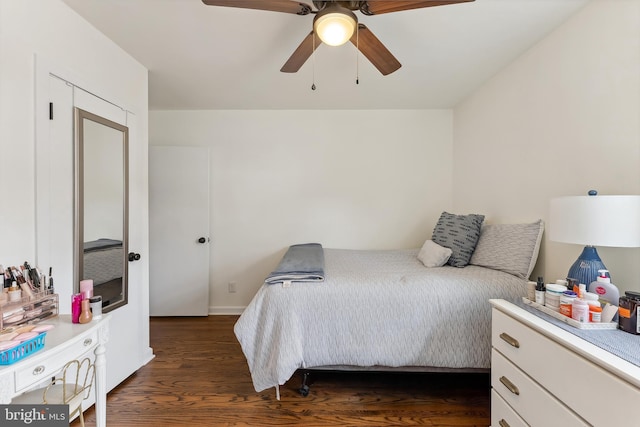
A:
[459,233]
[512,248]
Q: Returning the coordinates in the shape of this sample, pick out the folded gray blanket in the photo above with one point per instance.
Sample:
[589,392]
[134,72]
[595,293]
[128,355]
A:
[301,263]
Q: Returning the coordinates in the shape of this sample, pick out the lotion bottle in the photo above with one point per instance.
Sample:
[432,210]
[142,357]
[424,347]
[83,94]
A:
[607,291]
[540,291]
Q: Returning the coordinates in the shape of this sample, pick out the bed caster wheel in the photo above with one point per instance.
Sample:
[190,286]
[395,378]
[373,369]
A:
[304,391]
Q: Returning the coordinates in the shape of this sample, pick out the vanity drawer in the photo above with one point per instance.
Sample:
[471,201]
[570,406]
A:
[527,398]
[39,370]
[564,373]
[502,415]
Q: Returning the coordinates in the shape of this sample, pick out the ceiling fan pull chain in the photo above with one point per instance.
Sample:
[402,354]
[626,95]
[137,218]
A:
[313,62]
[358,54]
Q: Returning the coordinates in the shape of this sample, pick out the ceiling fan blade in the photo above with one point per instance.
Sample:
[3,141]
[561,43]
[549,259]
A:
[377,7]
[286,6]
[374,50]
[301,54]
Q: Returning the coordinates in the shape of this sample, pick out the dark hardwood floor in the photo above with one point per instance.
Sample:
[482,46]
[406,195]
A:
[199,377]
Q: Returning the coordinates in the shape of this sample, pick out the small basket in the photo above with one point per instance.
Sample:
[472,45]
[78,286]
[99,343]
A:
[22,350]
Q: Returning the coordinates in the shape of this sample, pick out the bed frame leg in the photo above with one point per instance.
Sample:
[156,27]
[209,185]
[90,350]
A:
[304,388]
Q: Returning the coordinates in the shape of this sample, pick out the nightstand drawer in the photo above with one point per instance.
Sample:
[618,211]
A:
[527,398]
[502,415]
[567,375]
[32,373]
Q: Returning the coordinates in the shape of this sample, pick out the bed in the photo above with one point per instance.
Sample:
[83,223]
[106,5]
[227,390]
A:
[386,308]
[103,263]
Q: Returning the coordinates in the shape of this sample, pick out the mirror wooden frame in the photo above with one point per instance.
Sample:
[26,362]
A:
[80,142]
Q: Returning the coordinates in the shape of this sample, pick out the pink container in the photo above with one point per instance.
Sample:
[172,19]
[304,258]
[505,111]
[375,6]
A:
[76,307]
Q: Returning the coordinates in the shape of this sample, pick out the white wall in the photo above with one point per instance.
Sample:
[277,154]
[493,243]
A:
[562,119]
[346,179]
[52,32]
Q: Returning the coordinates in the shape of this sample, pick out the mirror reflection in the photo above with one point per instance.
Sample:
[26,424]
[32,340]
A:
[101,207]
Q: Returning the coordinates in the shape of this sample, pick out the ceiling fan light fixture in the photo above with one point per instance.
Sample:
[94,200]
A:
[335,25]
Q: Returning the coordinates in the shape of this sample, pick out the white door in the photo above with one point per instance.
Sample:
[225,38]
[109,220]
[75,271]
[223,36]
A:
[178,231]
[55,214]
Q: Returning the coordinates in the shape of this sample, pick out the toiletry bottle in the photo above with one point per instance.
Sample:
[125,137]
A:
[582,289]
[607,291]
[76,307]
[531,291]
[580,310]
[540,290]
[566,302]
[96,307]
[85,312]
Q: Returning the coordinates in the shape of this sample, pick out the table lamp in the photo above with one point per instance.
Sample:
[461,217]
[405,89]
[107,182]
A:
[594,221]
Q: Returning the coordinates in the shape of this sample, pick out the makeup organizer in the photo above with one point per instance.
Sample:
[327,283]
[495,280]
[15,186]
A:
[28,310]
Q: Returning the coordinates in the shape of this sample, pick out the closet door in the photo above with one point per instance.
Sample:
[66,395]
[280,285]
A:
[127,348]
[178,231]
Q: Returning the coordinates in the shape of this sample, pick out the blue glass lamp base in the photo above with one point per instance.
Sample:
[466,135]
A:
[585,269]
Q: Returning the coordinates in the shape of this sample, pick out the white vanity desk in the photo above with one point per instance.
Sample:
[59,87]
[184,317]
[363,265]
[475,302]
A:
[65,342]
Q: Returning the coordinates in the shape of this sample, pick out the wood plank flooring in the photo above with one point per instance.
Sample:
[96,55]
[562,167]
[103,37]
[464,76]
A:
[199,377]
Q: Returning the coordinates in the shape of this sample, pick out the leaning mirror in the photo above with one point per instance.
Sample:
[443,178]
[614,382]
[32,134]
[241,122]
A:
[101,208]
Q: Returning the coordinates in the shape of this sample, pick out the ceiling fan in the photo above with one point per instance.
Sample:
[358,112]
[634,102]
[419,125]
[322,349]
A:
[335,24]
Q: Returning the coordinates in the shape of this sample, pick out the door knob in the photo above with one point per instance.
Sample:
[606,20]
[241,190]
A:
[134,256]
[202,240]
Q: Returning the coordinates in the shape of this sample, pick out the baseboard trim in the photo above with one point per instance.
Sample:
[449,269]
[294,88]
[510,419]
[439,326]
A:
[226,310]
[148,356]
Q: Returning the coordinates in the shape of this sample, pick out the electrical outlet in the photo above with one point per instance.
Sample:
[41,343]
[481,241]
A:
[232,287]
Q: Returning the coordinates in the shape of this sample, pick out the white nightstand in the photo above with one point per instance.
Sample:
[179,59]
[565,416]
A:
[542,375]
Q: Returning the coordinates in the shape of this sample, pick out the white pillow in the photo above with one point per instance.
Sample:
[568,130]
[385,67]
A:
[434,255]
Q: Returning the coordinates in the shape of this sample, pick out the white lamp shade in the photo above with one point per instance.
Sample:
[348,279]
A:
[335,28]
[596,220]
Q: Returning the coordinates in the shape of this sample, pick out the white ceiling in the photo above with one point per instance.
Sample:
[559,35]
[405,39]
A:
[207,57]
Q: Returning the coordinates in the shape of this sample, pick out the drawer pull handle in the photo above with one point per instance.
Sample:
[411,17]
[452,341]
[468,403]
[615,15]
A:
[38,370]
[510,340]
[509,385]
[88,342]
[503,423]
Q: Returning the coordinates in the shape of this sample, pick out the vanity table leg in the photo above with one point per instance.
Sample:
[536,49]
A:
[101,386]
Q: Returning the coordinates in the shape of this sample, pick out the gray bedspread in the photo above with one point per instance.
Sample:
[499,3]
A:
[301,263]
[375,308]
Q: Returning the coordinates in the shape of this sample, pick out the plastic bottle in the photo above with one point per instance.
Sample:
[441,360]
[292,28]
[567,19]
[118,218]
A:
[76,307]
[552,296]
[591,299]
[607,291]
[580,310]
[582,289]
[540,291]
[531,290]
[85,313]
[595,314]
[96,306]
[566,302]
